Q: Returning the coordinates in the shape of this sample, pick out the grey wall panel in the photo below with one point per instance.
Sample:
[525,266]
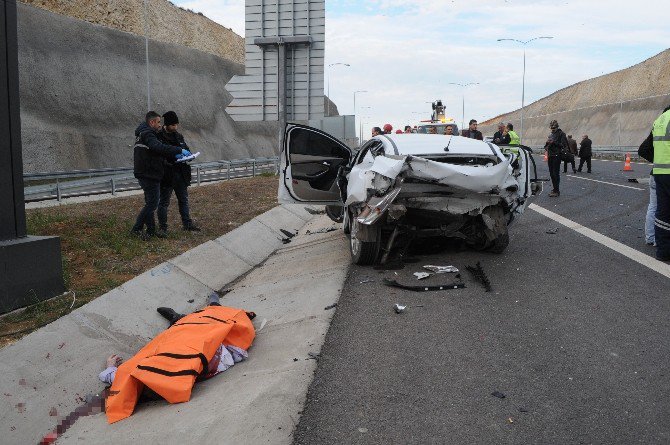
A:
[305,70]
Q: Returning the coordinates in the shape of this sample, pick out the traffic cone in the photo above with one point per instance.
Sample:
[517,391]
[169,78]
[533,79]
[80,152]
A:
[626,165]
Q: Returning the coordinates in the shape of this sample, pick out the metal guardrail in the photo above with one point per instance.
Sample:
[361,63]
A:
[117,180]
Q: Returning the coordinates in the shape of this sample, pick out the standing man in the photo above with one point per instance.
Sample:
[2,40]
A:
[408,129]
[556,143]
[501,137]
[572,147]
[472,131]
[448,130]
[177,177]
[659,140]
[388,128]
[376,131]
[585,153]
[514,138]
[149,159]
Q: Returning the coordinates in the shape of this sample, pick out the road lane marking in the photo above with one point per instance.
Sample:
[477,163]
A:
[621,162]
[629,252]
[605,182]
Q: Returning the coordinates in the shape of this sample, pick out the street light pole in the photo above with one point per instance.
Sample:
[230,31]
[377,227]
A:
[356,92]
[463,85]
[146,49]
[328,93]
[523,78]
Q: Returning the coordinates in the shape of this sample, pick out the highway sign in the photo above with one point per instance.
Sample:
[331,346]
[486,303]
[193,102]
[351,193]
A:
[284,45]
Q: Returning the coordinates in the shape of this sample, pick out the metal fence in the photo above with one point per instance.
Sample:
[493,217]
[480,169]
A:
[62,185]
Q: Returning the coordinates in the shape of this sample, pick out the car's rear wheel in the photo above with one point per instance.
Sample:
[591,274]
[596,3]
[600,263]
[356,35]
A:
[364,252]
[346,224]
[336,213]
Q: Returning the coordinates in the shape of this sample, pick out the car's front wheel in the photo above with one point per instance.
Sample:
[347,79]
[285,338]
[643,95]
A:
[364,252]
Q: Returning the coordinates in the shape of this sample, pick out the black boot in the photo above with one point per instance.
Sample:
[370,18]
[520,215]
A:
[169,314]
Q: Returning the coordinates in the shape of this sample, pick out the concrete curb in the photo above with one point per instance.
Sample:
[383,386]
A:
[52,369]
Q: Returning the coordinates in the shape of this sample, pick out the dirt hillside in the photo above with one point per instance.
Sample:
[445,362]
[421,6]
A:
[628,100]
[168,23]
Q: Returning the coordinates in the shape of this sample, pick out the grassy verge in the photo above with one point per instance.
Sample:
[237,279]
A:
[99,254]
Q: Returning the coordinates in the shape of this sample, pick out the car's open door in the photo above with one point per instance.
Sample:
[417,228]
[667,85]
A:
[310,161]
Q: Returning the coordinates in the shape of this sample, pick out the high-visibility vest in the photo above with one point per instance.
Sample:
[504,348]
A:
[661,134]
[514,138]
[170,363]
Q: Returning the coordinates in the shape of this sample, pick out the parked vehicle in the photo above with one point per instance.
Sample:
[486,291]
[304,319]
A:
[410,185]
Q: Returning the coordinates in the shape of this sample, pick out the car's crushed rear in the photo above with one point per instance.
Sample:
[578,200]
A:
[462,188]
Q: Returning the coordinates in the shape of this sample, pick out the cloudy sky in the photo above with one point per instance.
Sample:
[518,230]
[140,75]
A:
[406,52]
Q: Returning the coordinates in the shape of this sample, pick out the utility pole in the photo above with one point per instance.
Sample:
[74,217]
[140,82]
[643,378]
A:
[146,50]
[328,93]
[463,86]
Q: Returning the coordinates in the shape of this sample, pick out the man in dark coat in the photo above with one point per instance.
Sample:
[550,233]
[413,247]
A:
[472,131]
[149,160]
[572,147]
[556,144]
[177,177]
[585,153]
[501,137]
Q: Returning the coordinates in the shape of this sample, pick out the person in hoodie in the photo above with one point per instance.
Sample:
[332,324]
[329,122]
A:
[150,155]
[177,177]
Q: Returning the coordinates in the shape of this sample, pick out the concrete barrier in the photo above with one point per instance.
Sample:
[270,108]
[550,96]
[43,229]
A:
[47,374]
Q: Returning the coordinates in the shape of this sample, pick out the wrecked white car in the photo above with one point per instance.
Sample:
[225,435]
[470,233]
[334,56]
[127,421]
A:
[399,187]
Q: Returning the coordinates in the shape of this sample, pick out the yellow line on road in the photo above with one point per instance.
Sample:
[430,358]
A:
[629,252]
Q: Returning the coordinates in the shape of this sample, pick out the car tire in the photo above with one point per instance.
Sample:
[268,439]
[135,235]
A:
[336,213]
[364,253]
[499,244]
[346,224]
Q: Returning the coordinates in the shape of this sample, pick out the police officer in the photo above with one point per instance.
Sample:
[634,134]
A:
[659,141]
[150,155]
[514,138]
[556,143]
[177,177]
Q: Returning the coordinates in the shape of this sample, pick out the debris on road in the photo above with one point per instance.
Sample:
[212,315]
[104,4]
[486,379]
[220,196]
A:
[288,235]
[478,274]
[367,280]
[441,269]
[553,231]
[332,306]
[324,230]
[421,275]
[315,212]
[510,420]
[398,308]
[313,356]
[498,394]
[633,180]
[394,283]
[190,301]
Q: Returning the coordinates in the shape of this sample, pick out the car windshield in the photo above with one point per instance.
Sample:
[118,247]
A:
[437,128]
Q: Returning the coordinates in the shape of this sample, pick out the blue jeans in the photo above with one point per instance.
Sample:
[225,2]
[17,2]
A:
[555,172]
[649,237]
[180,188]
[662,220]
[151,190]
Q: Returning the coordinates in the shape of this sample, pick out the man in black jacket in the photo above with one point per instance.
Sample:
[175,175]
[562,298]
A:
[556,144]
[472,131]
[501,137]
[149,159]
[177,176]
[585,153]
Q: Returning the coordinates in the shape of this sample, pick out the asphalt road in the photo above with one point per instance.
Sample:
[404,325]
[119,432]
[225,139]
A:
[574,334]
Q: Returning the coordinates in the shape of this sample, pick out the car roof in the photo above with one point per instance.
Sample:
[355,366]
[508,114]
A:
[422,144]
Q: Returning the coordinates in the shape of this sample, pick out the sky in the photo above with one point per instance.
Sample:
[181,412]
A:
[406,53]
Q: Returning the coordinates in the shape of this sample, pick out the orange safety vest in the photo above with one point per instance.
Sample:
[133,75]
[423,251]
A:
[170,363]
